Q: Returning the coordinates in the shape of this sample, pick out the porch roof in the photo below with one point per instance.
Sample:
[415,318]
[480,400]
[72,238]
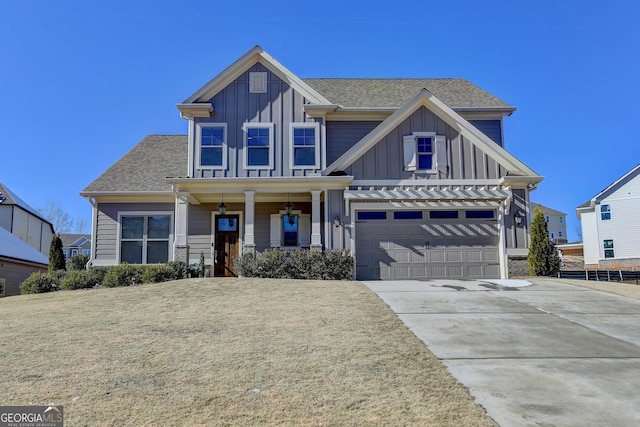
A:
[277,184]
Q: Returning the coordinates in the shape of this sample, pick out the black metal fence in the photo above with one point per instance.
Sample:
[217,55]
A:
[602,275]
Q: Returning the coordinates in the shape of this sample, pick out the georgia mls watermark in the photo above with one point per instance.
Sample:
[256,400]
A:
[31,416]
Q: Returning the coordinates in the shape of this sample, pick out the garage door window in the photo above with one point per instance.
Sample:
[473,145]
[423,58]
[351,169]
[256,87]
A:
[486,214]
[407,215]
[443,214]
[367,215]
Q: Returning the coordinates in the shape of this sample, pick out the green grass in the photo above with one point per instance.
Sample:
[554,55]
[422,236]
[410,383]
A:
[225,352]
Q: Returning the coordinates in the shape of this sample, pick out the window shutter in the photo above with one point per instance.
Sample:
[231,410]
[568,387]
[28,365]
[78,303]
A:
[441,153]
[304,230]
[275,241]
[410,160]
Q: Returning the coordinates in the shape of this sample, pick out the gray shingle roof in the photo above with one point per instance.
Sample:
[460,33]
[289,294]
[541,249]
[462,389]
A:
[145,167]
[458,94]
[8,197]
[12,247]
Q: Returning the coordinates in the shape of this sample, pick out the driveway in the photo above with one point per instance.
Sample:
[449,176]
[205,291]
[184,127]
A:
[550,354]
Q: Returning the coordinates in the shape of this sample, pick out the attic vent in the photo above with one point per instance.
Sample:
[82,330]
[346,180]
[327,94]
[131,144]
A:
[258,82]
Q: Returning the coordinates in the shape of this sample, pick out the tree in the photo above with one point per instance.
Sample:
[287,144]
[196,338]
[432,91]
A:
[81,226]
[543,256]
[56,256]
[53,212]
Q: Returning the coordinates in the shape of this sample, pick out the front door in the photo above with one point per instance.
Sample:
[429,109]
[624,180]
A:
[226,244]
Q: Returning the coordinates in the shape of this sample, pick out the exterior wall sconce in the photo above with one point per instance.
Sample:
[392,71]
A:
[287,206]
[222,208]
[336,222]
[517,217]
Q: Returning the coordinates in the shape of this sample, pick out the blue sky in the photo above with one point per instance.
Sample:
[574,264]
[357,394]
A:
[82,82]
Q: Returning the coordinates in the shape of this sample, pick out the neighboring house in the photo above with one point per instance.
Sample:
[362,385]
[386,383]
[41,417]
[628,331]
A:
[17,261]
[610,226]
[556,223]
[22,220]
[75,244]
[410,175]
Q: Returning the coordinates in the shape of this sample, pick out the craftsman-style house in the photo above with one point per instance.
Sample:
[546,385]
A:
[410,175]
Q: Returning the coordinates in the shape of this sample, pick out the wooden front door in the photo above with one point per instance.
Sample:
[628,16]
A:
[226,244]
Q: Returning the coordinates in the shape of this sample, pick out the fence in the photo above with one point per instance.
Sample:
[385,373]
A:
[602,275]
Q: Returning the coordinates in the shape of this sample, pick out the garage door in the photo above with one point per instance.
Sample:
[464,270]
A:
[427,244]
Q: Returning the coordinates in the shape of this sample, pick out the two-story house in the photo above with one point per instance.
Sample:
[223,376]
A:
[410,175]
[610,227]
[556,223]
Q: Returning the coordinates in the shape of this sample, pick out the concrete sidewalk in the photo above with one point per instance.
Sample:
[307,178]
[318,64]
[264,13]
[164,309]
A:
[550,354]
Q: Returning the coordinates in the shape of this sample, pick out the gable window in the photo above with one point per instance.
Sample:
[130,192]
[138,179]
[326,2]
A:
[608,248]
[290,230]
[425,151]
[258,153]
[144,239]
[605,212]
[305,145]
[211,139]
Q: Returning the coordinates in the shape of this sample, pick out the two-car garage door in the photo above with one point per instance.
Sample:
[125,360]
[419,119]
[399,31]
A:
[425,244]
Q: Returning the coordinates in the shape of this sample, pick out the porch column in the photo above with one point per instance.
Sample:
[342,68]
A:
[249,219]
[316,224]
[180,247]
[502,243]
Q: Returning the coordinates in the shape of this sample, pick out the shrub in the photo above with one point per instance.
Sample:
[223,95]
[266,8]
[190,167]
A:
[543,256]
[123,275]
[56,256]
[272,264]
[80,279]
[305,264]
[38,283]
[77,262]
[246,265]
[157,273]
[338,265]
[181,269]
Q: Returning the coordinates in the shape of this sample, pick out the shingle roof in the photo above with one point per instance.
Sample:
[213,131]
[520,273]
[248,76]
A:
[8,197]
[69,239]
[145,167]
[12,247]
[458,94]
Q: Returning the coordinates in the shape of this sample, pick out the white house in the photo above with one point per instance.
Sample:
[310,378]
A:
[610,227]
[556,222]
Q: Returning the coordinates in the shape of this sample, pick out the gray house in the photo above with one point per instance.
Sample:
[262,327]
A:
[410,175]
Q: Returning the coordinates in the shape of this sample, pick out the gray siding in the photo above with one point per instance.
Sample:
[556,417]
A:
[341,136]
[491,128]
[516,235]
[15,273]
[107,225]
[386,161]
[281,105]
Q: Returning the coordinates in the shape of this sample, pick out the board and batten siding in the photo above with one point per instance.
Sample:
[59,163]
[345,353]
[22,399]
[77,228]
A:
[385,160]
[235,106]
[107,225]
[341,136]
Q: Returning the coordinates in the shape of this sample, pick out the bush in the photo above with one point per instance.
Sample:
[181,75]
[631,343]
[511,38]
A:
[543,256]
[271,264]
[305,264]
[77,262]
[38,283]
[338,265]
[123,275]
[81,279]
[246,265]
[56,256]
[157,273]
[181,270]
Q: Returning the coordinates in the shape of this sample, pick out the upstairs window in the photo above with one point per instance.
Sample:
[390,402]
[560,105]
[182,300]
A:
[212,145]
[425,152]
[605,212]
[305,146]
[608,248]
[258,145]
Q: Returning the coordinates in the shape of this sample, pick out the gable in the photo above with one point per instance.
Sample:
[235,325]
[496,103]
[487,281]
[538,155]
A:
[470,153]
[628,185]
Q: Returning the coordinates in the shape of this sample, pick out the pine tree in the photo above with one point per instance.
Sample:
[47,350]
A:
[543,256]
[56,257]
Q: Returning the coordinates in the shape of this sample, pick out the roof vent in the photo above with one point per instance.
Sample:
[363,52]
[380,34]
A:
[258,82]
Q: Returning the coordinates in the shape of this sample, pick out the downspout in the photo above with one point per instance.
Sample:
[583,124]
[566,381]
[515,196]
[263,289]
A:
[94,230]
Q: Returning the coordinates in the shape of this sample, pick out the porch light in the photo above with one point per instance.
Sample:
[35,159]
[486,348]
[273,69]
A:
[517,217]
[287,206]
[222,208]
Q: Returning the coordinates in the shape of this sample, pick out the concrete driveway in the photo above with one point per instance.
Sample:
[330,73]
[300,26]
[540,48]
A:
[550,354]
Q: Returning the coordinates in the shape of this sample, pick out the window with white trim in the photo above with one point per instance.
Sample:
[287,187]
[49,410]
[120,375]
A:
[145,238]
[426,152]
[608,248]
[290,231]
[74,252]
[211,143]
[605,212]
[86,252]
[259,150]
[304,145]
[65,253]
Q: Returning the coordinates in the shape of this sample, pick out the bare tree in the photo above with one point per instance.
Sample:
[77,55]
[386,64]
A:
[53,212]
[81,226]
[579,232]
